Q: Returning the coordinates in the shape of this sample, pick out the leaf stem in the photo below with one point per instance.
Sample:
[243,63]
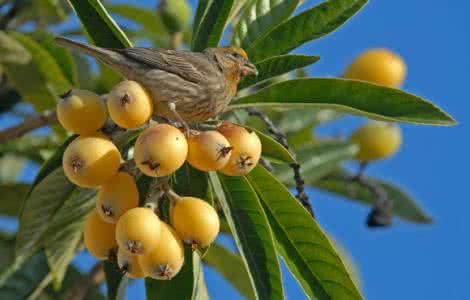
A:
[83,286]
[282,139]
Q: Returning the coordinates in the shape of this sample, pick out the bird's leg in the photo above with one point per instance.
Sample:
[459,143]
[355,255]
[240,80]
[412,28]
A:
[172,108]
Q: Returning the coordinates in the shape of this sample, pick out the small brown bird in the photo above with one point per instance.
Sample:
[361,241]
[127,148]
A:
[186,86]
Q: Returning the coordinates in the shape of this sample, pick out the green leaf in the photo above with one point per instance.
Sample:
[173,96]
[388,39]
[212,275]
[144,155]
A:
[30,146]
[39,208]
[276,66]
[251,232]
[259,17]
[47,64]
[272,149]
[183,285]
[212,25]
[21,66]
[65,232]
[150,22]
[24,281]
[355,97]
[12,198]
[99,25]
[317,160]
[304,27]
[190,182]
[305,248]
[230,266]
[404,206]
[201,11]
[297,119]
[116,282]
[63,57]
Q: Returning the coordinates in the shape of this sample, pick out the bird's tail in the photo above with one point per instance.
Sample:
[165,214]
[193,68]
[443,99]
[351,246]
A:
[107,56]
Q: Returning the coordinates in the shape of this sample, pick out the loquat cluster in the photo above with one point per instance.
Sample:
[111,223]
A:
[143,243]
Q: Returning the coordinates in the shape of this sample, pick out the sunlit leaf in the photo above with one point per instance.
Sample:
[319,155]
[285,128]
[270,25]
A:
[99,25]
[355,97]
[304,27]
[259,17]
[251,232]
[306,249]
[212,25]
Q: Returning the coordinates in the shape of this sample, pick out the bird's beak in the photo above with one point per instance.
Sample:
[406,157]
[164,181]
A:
[249,69]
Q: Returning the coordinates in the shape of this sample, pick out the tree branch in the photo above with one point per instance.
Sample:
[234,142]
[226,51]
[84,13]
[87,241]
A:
[382,210]
[282,139]
[83,286]
[45,118]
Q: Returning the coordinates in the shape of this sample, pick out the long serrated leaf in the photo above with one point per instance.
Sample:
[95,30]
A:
[99,25]
[308,25]
[65,231]
[182,286]
[305,248]
[252,234]
[355,97]
[230,266]
[212,25]
[259,17]
[116,282]
[276,66]
[317,160]
[38,209]
[404,206]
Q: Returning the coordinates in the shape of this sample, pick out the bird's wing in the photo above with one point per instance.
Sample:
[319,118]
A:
[190,66]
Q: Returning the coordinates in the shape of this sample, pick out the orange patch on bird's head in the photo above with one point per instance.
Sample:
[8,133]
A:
[233,50]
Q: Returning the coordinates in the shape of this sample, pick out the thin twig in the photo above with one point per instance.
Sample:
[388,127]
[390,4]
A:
[83,286]
[381,213]
[282,139]
[45,118]
[8,17]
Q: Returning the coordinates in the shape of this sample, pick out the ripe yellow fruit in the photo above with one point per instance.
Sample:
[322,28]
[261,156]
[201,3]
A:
[129,264]
[195,221]
[116,196]
[165,261]
[208,150]
[380,66]
[376,140]
[129,104]
[99,236]
[90,161]
[138,231]
[160,150]
[246,149]
[82,112]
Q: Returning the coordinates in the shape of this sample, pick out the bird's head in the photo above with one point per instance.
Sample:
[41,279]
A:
[234,60]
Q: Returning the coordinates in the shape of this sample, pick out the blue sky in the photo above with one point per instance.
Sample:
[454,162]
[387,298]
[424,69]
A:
[405,261]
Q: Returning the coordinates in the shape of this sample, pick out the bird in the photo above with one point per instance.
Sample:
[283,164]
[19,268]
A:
[188,87]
